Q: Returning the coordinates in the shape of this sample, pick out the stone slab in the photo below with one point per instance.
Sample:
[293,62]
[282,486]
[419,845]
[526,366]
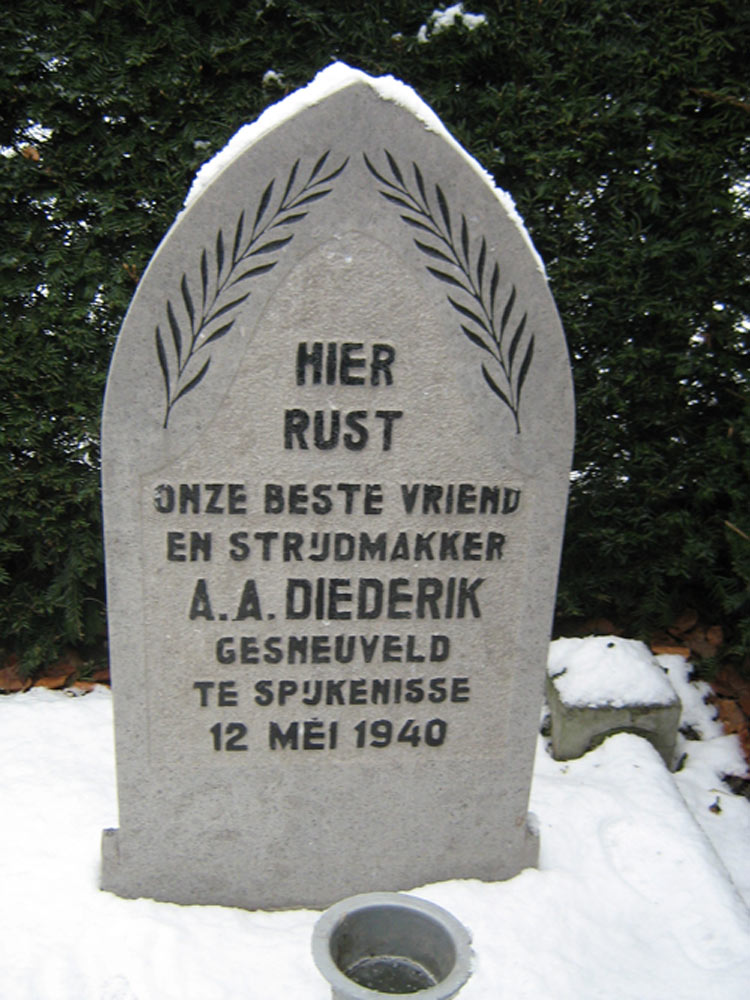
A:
[336,445]
[604,685]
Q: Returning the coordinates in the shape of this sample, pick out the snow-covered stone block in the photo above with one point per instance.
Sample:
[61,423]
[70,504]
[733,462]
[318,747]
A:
[602,685]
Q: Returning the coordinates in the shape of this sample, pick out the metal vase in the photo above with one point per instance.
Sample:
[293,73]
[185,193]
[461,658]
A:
[385,944]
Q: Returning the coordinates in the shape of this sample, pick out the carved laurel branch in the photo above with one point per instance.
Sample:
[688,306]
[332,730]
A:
[472,275]
[203,312]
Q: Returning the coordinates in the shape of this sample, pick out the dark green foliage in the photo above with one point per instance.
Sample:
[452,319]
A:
[621,129]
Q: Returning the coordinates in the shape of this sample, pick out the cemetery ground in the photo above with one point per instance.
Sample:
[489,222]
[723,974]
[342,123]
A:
[638,894]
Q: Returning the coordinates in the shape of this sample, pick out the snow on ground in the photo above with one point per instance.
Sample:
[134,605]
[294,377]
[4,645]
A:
[632,899]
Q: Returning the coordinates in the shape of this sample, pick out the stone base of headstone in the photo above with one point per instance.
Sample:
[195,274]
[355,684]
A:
[191,870]
[575,729]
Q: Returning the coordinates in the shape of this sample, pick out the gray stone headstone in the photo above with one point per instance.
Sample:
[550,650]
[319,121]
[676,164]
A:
[336,447]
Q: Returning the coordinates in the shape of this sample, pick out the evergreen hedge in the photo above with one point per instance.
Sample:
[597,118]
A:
[619,126]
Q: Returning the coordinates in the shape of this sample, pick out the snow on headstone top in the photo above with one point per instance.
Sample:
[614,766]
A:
[328,81]
[607,670]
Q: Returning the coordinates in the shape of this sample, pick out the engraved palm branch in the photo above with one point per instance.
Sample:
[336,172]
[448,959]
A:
[456,262]
[203,313]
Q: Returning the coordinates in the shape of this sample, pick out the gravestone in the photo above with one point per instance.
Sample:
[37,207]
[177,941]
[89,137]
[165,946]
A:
[336,446]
